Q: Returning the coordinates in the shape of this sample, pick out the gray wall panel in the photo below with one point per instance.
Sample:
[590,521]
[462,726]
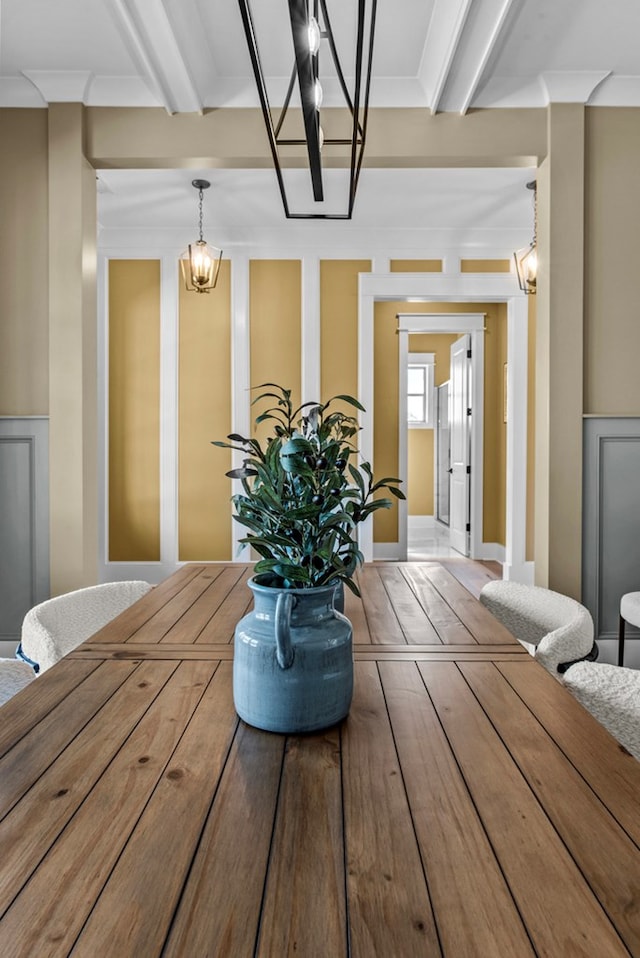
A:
[611,540]
[24,522]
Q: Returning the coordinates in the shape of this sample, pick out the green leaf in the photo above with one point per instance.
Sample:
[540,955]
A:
[349,399]
[358,478]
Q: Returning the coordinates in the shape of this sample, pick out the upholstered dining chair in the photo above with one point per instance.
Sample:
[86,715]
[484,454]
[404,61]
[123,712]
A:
[612,694]
[629,612]
[58,625]
[14,676]
[556,629]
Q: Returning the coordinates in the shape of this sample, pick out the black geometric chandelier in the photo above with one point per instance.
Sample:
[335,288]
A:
[313,39]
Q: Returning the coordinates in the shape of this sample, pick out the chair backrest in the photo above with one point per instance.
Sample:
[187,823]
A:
[612,694]
[558,627]
[58,625]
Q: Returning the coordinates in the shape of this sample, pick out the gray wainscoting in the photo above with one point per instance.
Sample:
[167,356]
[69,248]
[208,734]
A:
[611,531]
[24,522]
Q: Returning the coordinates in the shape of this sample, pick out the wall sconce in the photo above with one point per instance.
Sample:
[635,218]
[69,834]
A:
[527,259]
[310,26]
[200,263]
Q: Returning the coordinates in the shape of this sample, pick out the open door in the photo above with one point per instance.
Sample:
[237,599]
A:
[460,438]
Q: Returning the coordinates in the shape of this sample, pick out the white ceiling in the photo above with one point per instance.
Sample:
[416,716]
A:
[442,55]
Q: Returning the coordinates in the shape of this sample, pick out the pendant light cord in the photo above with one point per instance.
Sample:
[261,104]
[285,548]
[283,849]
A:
[200,195]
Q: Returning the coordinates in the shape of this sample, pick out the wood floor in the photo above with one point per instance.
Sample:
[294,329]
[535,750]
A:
[473,574]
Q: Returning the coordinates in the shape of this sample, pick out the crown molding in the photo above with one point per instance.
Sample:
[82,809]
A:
[60,86]
[571,86]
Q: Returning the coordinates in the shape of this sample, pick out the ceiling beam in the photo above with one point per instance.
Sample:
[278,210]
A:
[484,31]
[444,33]
[151,40]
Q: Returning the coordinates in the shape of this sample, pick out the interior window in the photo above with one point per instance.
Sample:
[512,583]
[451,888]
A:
[420,391]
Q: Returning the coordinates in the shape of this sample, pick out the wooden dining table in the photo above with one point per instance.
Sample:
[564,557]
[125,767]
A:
[467,806]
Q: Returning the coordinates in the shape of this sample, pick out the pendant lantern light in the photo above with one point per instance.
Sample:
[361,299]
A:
[527,259]
[200,263]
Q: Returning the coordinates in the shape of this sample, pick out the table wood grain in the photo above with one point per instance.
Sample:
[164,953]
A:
[468,805]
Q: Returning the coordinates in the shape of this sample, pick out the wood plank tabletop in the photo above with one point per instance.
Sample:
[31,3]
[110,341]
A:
[467,806]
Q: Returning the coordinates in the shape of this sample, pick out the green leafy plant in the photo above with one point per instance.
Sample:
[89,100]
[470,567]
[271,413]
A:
[302,497]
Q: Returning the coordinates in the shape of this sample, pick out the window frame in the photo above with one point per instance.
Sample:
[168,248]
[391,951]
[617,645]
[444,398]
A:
[425,361]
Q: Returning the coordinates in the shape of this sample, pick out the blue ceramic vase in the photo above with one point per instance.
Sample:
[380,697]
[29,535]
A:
[293,662]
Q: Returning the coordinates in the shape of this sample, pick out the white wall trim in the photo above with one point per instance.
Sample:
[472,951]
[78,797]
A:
[310,338]
[436,287]
[240,378]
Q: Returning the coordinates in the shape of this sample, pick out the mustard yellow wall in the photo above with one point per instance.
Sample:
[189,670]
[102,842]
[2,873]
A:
[495,429]
[275,325]
[420,479]
[24,240]
[485,266]
[134,410]
[415,266]
[204,414]
[386,387]
[339,326]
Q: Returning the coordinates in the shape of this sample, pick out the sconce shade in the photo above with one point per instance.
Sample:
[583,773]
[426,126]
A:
[527,268]
[200,263]
[526,259]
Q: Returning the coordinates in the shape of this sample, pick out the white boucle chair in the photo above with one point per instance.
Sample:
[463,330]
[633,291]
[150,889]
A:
[14,676]
[58,625]
[629,612]
[612,694]
[556,629]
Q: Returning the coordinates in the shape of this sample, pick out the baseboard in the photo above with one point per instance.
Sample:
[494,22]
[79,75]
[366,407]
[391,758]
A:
[386,550]
[492,551]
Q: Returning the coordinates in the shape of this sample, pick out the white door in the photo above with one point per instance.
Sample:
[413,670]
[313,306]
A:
[460,432]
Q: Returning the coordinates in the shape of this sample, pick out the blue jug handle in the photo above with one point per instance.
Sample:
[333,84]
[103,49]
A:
[284,647]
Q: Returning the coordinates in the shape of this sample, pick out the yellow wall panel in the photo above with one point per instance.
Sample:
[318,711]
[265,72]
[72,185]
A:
[485,266]
[415,266]
[275,289]
[339,326]
[204,414]
[420,475]
[385,404]
[134,410]
[495,429]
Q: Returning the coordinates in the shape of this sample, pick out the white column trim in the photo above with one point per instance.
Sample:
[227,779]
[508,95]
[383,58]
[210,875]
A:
[169,365]
[516,567]
[240,376]
[310,338]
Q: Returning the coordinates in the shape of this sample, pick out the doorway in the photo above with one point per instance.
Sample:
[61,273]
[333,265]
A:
[471,288]
[464,349]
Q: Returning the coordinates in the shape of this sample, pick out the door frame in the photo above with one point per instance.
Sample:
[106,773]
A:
[436,455]
[472,288]
[450,323]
